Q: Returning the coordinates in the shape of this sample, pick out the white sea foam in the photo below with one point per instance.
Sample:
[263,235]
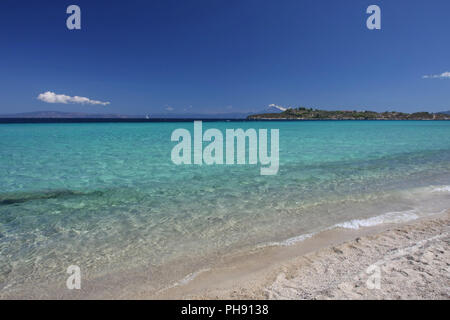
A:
[291,241]
[441,189]
[390,217]
[189,277]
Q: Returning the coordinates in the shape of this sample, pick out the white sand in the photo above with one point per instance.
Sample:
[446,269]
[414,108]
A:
[413,261]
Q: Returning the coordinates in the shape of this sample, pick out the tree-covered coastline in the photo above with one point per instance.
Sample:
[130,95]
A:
[303,113]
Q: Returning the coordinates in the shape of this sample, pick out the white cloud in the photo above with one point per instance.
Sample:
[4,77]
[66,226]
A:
[278,107]
[444,75]
[51,97]
[169,108]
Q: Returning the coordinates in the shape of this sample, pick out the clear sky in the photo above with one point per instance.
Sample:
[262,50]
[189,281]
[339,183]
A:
[225,55]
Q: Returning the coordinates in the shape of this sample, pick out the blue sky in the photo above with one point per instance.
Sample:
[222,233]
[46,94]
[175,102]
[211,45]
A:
[224,56]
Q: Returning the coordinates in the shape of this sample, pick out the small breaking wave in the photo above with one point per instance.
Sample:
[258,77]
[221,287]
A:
[441,189]
[291,241]
[186,279]
[387,218]
[390,217]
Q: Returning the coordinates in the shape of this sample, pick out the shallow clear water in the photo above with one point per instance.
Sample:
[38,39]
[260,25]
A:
[107,197]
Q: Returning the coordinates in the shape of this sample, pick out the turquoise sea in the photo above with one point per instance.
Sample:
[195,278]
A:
[107,197]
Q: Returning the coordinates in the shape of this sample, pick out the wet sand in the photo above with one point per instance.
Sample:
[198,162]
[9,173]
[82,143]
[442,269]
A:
[393,261]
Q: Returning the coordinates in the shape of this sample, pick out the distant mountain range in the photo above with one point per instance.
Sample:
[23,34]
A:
[171,115]
[63,115]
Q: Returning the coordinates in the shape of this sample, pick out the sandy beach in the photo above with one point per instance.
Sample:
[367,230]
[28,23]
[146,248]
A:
[395,261]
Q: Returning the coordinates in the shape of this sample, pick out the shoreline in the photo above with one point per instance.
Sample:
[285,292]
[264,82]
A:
[169,120]
[259,271]
[329,264]
[332,264]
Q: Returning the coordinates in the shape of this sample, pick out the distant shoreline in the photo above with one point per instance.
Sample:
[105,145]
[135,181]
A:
[317,114]
[142,120]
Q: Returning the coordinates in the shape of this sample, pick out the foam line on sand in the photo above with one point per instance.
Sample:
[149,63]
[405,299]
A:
[411,258]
